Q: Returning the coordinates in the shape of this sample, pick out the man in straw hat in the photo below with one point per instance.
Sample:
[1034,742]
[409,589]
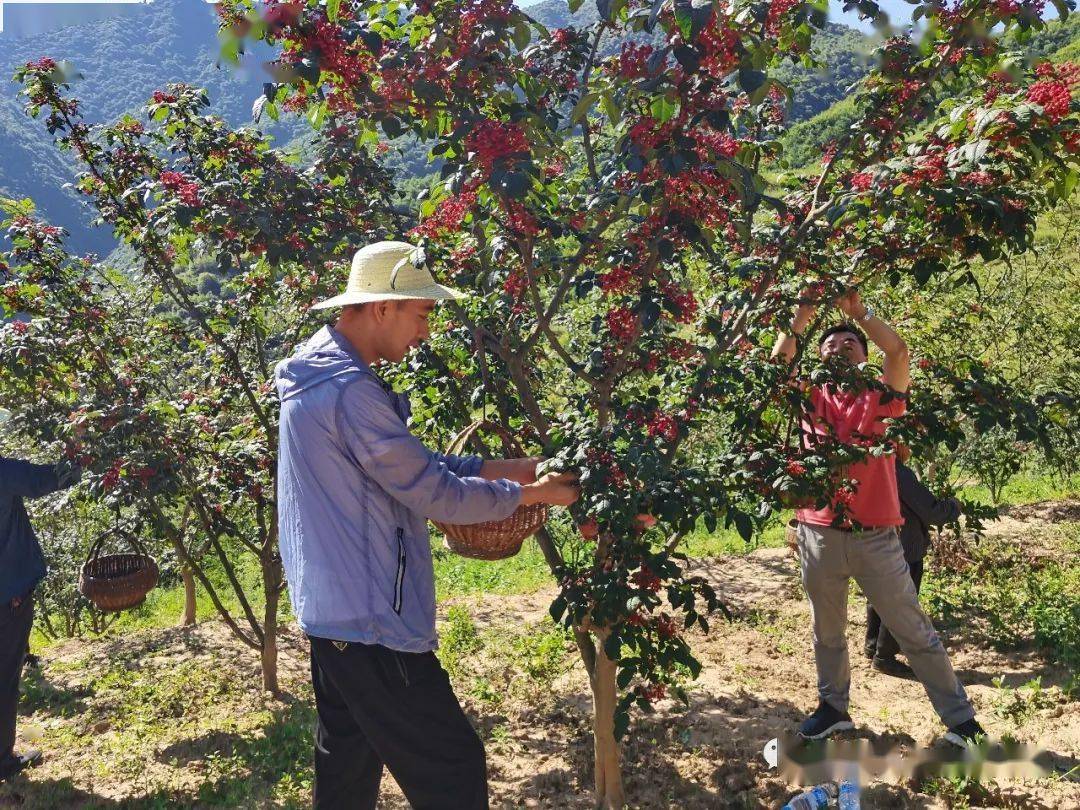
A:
[355,491]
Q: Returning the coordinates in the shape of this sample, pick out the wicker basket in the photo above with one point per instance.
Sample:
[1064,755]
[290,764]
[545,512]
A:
[115,582]
[494,539]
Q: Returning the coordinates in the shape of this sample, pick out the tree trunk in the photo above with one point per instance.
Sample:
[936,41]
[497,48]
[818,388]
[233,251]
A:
[608,768]
[189,596]
[272,574]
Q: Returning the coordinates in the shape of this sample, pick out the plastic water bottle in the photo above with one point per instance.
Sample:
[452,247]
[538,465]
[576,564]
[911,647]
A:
[813,799]
[848,797]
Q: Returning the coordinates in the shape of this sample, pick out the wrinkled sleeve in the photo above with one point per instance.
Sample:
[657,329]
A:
[422,480]
[930,510]
[25,480]
[463,466]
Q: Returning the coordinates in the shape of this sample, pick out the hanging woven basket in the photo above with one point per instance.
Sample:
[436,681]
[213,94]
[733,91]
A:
[115,582]
[494,539]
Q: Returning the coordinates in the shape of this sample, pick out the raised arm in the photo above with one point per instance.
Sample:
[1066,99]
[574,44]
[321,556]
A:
[22,479]
[897,365]
[786,343]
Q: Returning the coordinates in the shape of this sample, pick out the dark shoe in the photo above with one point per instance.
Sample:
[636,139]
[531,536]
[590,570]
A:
[31,661]
[870,649]
[17,763]
[825,721]
[890,666]
[966,734]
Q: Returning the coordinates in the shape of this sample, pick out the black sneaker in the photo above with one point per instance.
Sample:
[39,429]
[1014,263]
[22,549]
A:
[31,661]
[825,721]
[17,763]
[890,666]
[966,734]
[870,649]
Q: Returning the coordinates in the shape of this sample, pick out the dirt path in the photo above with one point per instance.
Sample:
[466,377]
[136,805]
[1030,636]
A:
[172,719]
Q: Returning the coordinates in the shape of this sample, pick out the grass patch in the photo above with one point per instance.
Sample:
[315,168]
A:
[503,664]
[1028,487]
[1009,597]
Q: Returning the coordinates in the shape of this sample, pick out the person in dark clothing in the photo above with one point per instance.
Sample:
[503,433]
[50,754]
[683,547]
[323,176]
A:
[22,567]
[920,510]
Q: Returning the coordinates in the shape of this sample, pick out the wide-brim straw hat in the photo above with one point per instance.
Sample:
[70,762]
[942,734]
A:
[389,271]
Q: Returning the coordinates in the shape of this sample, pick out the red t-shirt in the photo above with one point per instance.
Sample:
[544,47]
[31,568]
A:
[848,416]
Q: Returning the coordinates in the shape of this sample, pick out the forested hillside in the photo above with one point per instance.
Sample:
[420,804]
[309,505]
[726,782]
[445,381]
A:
[123,60]
[1057,41]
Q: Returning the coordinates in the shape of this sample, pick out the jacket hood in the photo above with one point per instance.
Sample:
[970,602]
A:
[324,356]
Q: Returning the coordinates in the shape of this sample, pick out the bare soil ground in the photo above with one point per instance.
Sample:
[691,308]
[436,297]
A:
[116,736]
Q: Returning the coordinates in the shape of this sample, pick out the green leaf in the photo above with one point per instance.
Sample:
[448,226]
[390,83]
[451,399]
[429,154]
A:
[743,524]
[558,608]
[332,9]
[685,19]
[522,35]
[581,109]
[574,5]
[611,109]
[317,114]
[750,80]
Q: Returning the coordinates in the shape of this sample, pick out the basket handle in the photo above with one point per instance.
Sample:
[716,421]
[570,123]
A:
[510,445]
[99,541]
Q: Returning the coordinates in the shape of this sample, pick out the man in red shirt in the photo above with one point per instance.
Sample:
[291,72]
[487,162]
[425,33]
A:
[862,540]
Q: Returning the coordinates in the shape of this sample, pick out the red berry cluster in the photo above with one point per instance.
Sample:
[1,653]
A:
[161,97]
[664,426]
[448,217]
[653,692]
[186,190]
[645,579]
[796,468]
[778,9]
[490,140]
[336,55]
[619,279]
[978,179]
[632,61]
[622,323]
[719,44]
[519,220]
[44,64]
[862,181]
[1053,96]
[684,301]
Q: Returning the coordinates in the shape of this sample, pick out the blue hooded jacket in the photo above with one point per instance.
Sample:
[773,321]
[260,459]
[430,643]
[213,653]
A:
[355,491]
[22,565]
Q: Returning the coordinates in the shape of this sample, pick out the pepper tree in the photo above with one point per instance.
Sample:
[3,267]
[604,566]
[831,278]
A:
[163,392]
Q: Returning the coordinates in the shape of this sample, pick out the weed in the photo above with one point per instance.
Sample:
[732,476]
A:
[1009,597]
[1020,705]
[459,639]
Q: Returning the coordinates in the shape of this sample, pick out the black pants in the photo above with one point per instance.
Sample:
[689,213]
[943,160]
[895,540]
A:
[15,624]
[377,706]
[878,637]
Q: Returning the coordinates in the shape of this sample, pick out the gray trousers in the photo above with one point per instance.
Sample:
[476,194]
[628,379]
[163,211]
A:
[875,558]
